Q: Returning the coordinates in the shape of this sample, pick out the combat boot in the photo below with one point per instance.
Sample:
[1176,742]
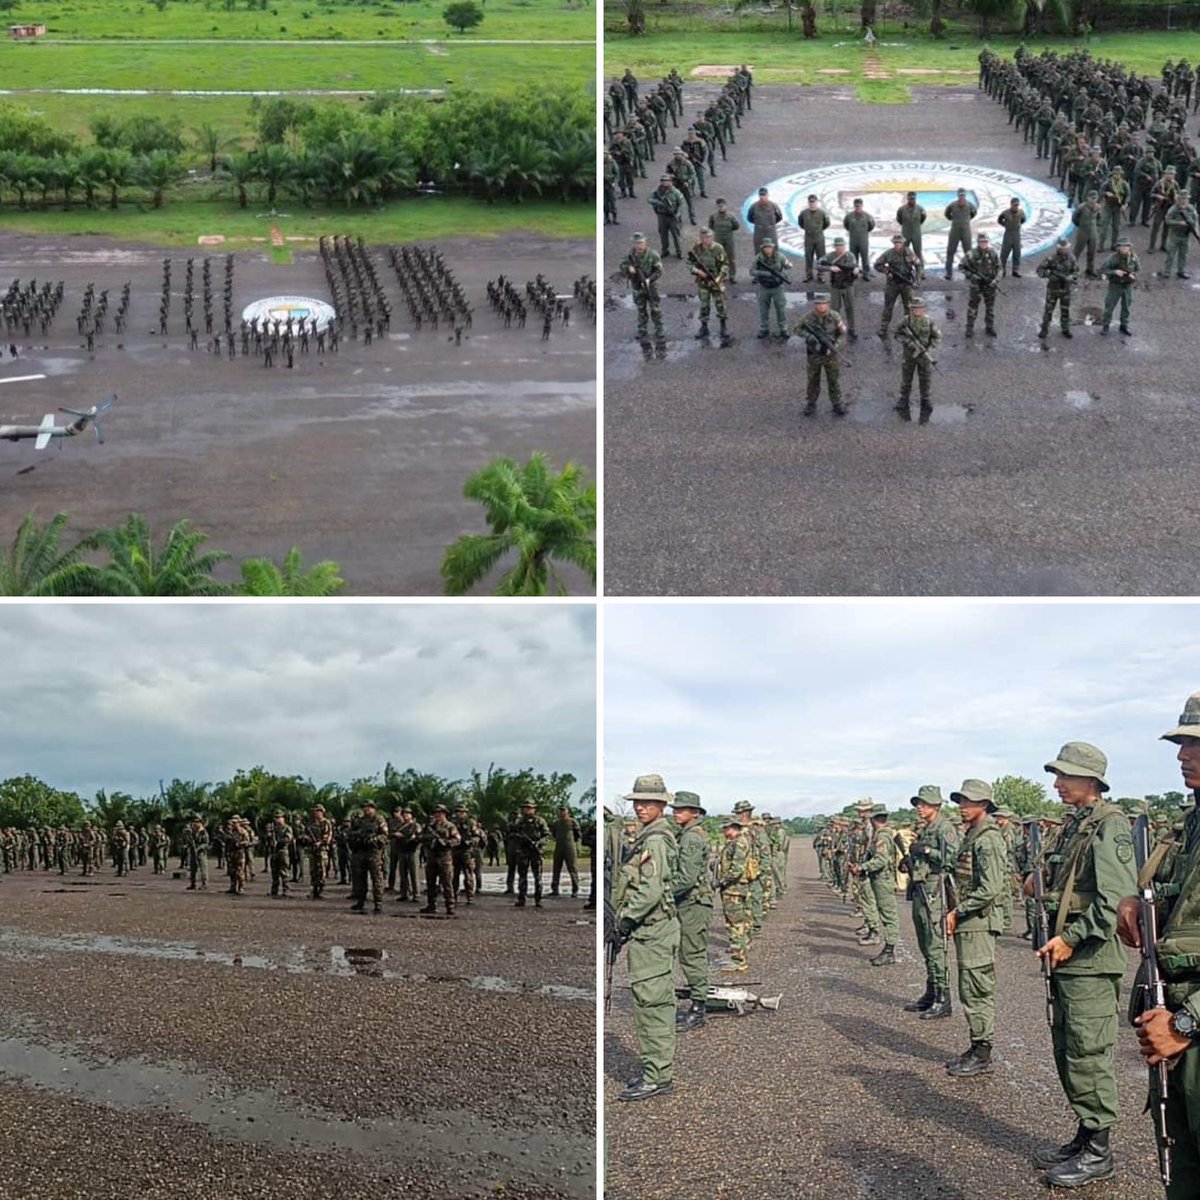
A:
[691,1018]
[1126,331]
[359,906]
[703,331]
[1066,331]
[429,908]
[1094,1161]
[725,338]
[520,902]
[1052,1156]
[377,909]
[902,407]
[977,1061]
[840,410]
[990,330]
[865,939]
[738,964]
[939,1008]
[886,957]
[970,331]
[537,903]
[924,1001]
[641,1090]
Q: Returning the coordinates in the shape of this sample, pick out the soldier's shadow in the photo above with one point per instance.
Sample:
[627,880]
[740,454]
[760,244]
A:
[909,1177]
[621,1064]
[865,1032]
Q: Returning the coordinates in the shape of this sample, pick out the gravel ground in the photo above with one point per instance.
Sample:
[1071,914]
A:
[359,457]
[1043,472]
[840,1095]
[425,1078]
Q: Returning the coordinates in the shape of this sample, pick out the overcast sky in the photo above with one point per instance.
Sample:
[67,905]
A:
[805,708]
[121,696]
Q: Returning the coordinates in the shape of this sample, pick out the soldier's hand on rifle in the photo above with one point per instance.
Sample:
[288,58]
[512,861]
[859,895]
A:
[1027,886]
[1157,1041]
[625,928]
[1129,929]
[951,923]
[1056,952]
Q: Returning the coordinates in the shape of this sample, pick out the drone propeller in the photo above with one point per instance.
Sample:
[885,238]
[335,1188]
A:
[92,415]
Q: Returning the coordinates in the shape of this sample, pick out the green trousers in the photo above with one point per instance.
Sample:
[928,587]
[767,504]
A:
[693,947]
[652,953]
[1183,1125]
[767,879]
[771,299]
[1177,252]
[739,923]
[1083,1033]
[976,952]
[927,920]
[1122,292]
[864,898]
[756,906]
[843,302]
[883,888]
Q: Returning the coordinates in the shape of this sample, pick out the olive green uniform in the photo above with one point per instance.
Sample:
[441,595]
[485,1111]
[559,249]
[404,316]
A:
[814,222]
[693,905]
[368,839]
[858,228]
[1181,220]
[822,357]
[901,268]
[1011,220]
[1114,197]
[770,273]
[1087,223]
[981,876]
[858,850]
[1121,272]
[880,870]
[841,269]
[932,855]
[724,226]
[982,268]
[960,217]
[910,217]
[919,336]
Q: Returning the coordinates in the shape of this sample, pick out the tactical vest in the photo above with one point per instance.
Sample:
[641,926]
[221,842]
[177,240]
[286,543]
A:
[753,866]
[1071,887]
[964,864]
[666,909]
[1179,873]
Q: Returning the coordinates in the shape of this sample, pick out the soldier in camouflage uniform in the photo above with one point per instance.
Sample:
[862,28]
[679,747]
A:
[195,846]
[463,855]
[744,811]
[931,856]
[982,268]
[735,868]
[878,868]
[766,853]
[87,849]
[1182,225]
[1115,198]
[919,336]
[279,842]
[693,905]
[899,266]
[317,839]
[1121,270]
[643,267]
[120,846]
[439,838]
[710,269]
[529,832]
[667,203]
[823,332]
[645,920]
[1060,270]
[238,841]
[1005,820]
[843,269]
[683,176]
[367,839]
[160,845]
[858,848]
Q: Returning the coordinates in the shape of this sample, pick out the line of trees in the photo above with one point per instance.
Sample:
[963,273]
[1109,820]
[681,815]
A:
[540,143]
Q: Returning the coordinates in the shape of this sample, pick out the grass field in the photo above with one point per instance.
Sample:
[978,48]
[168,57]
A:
[182,223]
[284,19]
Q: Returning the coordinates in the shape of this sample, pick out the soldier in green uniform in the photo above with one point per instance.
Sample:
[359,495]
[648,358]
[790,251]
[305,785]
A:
[195,844]
[744,811]
[643,267]
[823,332]
[932,856]
[279,845]
[879,869]
[119,841]
[529,831]
[766,860]
[724,225]
[975,922]
[1006,822]
[770,274]
[843,268]
[667,203]
[982,268]
[899,267]
[1060,270]
[919,336]
[1087,875]
[858,850]
[644,899]
[1182,225]
[1087,224]
[1145,175]
[735,868]
[1172,1034]
[1162,198]
[693,905]
[368,839]
[1010,220]
[710,269]
[566,837]
[1121,270]
[1115,198]
[960,212]
[765,215]
[858,224]
[462,855]
[814,220]
[910,216]
[439,839]
[683,176]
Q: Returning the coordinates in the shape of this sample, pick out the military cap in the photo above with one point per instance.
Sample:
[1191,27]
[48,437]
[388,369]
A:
[1051,819]
[649,787]
[706,232]
[1118,170]
[820,297]
[1014,200]
[909,195]
[726,822]
[318,808]
[962,191]
[743,806]
[917,302]
[863,805]
[688,800]
[975,790]
[839,241]
[1081,758]
[877,810]
[279,813]
[981,237]
[368,804]
[1189,722]
[858,199]
[811,197]
[678,150]
[459,804]
[897,237]
[439,808]
[927,794]
[767,242]
[1093,195]
[762,191]
[1030,820]
[1004,811]
[639,237]
[1169,170]
[1062,241]
[1123,241]
[722,200]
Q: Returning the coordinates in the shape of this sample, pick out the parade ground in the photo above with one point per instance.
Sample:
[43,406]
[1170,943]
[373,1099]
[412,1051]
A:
[1048,468]
[359,457]
[840,1095]
[159,1041]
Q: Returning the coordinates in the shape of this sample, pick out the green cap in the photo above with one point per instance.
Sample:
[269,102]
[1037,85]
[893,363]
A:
[1189,721]
[726,822]
[1083,759]
[279,813]
[688,800]
[767,242]
[878,810]
[706,232]
[743,806]
[649,787]
[917,302]
[639,237]
[927,794]
[839,241]
[977,790]
[1006,812]
[439,808]
[1123,241]
[820,297]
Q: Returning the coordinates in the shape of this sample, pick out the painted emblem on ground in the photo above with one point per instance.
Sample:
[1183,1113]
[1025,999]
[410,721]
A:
[883,187]
[299,308]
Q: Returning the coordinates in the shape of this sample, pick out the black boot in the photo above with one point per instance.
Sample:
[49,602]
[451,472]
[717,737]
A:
[1094,1161]
[703,331]
[939,1008]
[639,1089]
[977,1062]
[922,1002]
[692,1018]
[886,957]
[902,407]
[865,939]
[1051,1156]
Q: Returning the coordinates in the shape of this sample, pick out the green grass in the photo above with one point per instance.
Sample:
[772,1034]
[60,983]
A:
[182,222]
[379,19]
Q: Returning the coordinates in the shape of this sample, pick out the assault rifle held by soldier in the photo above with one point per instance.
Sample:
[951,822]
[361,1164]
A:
[1041,923]
[906,333]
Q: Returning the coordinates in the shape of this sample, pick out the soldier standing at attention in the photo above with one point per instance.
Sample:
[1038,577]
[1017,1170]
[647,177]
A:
[982,268]
[843,268]
[814,220]
[440,838]
[566,836]
[529,832]
[1011,220]
[1182,225]
[734,883]
[318,837]
[667,202]
[765,216]
[919,335]
[932,855]
[880,872]
[858,223]
[120,848]
[708,265]
[1087,221]
[1116,196]
[195,844]
[823,332]
[960,213]
[693,905]
[975,922]
[1061,273]
[368,839]
[644,900]
[462,856]
[899,266]
[279,846]
[342,837]
[724,225]
[1121,270]
[644,269]
[1087,876]
[910,216]
[409,840]
[769,271]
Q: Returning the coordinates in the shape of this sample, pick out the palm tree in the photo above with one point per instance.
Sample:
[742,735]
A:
[136,568]
[212,141]
[490,169]
[529,165]
[23,173]
[116,170]
[158,170]
[540,515]
[240,170]
[67,174]
[275,165]
[37,565]
[573,164]
[262,577]
[93,173]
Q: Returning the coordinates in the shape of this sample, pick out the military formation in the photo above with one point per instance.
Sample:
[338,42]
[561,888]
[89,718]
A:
[512,305]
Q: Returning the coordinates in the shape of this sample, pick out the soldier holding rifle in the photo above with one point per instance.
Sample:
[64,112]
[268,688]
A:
[931,856]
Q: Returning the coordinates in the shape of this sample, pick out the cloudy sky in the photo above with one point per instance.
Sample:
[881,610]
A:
[121,696]
[805,708]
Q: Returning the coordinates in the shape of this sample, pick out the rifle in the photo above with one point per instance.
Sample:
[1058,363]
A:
[640,281]
[1150,983]
[946,905]
[1041,925]
[975,276]
[779,279]
[904,280]
[828,345]
[907,334]
[705,274]
[905,863]
[612,947]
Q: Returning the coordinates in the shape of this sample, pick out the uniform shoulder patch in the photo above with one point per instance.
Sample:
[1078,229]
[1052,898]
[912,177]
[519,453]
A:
[1124,847]
[646,865]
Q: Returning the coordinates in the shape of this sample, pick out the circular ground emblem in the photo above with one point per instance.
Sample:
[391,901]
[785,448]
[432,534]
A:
[883,187]
[279,308]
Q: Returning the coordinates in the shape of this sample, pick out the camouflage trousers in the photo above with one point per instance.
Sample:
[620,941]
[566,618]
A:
[649,308]
[439,877]
[739,923]
[988,296]
[976,954]
[1063,301]
[366,864]
[756,906]
[927,909]
[693,947]
[1084,1034]
[767,879]
[281,872]
[827,363]
[85,861]
[464,871]
[1122,292]
[527,864]
[316,868]
[236,869]
[714,296]
[920,366]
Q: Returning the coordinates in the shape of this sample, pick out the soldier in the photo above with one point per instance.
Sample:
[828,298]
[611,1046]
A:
[1182,225]
[342,837]
[195,843]
[858,223]
[1089,873]
[279,841]
[643,267]
[119,841]
[667,203]
[644,900]
[734,881]
[367,838]
[394,822]
[919,335]
[1162,197]
[724,225]
[879,869]
[975,922]
[843,269]
[931,857]
[238,841]
[408,842]
[823,332]
[693,905]
[899,266]
[1121,270]
[744,811]
[765,216]
[683,177]
[1145,175]
[814,220]
[1061,272]
[529,832]
[1116,197]
[462,856]
[1005,820]
[960,213]
[440,837]
[87,849]
[910,216]
[610,190]
[566,836]
[160,846]
[707,263]
[770,273]
[1011,220]
[317,839]
[982,268]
